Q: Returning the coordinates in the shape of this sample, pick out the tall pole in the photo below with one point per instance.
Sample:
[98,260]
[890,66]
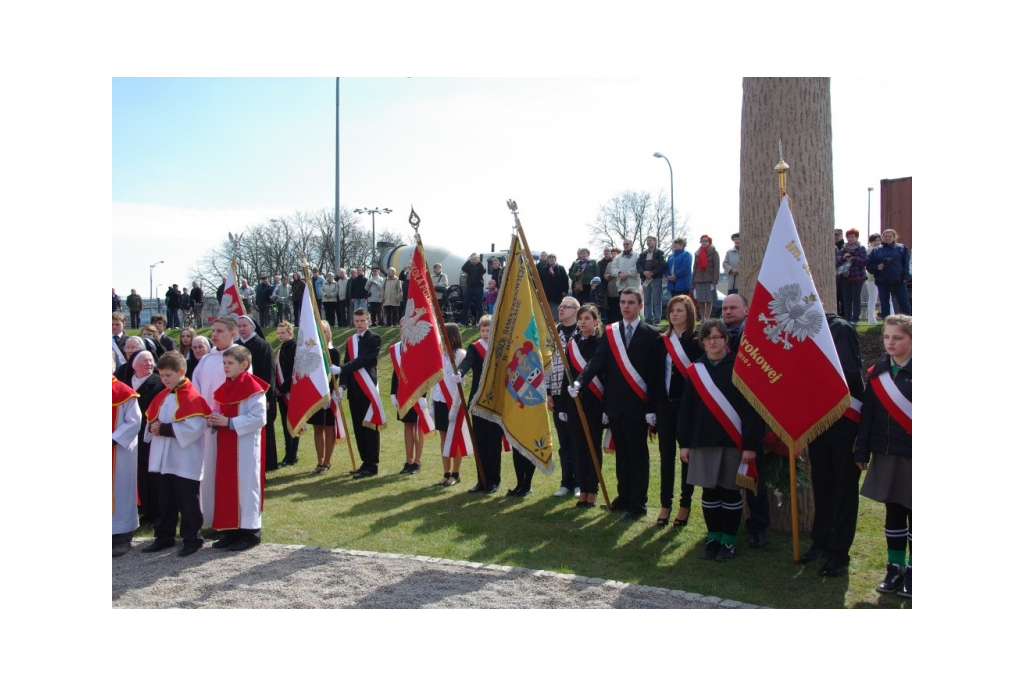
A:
[151,267]
[373,223]
[337,172]
[869,212]
[671,192]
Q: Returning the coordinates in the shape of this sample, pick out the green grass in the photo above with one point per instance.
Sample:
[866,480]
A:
[409,515]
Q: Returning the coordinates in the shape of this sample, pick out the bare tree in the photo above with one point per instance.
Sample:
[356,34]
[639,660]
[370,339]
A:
[632,215]
[797,112]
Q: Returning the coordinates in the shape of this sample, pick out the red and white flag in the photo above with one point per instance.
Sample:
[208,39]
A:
[231,300]
[786,365]
[311,390]
[420,366]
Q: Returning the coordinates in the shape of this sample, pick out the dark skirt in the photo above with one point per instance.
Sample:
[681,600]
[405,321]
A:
[888,479]
[714,467]
[324,417]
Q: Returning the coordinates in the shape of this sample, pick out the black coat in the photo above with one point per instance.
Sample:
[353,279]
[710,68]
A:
[879,432]
[698,427]
[619,398]
[556,285]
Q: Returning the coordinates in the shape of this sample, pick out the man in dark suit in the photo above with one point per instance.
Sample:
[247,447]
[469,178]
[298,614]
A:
[366,344]
[118,338]
[263,368]
[629,403]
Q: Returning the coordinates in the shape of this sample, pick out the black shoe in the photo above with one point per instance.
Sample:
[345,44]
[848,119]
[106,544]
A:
[227,539]
[414,469]
[242,544]
[757,540]
[289,462]
[725,553]
[363,474]
[158,545]
[405,470]
[615,506]
[189,550]
[710,549]
[120,547]
[355,471]
[811,554]
[893,579]
[905,590]
[476,488]
[831,569]
[513,492]
[519,493]
[492,489]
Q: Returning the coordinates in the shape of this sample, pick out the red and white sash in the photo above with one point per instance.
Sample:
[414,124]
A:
[339,425]
[425,422]
[608,442]
[481,348]
[716,401]
[898,406]
[618,348]
[374,418]
[677,353]
[457,441]
[853,411]
[579,363]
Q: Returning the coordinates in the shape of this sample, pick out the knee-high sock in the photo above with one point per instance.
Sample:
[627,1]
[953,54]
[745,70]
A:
[897,532]
[732,513]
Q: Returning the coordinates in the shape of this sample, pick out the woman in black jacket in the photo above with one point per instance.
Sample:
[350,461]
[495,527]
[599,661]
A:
[714,450]
[884,437]
[580,350]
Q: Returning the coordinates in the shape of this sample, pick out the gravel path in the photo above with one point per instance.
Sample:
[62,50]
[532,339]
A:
[296,577]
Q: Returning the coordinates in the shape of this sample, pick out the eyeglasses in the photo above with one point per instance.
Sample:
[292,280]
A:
[714,338]
[705,241]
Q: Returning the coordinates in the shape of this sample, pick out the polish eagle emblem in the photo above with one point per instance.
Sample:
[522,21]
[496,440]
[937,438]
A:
[793,316]
[413,328]
[308,358]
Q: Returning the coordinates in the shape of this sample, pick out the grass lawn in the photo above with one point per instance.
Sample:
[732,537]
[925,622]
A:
[409,515]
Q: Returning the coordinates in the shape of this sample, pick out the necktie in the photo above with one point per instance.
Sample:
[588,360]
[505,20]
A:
[629,334]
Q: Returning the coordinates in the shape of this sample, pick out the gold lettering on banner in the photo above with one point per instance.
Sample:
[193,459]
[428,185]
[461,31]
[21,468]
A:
[750,355]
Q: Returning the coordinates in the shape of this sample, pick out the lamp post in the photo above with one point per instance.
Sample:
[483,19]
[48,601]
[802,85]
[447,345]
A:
[671,190]
[373,223]
[869,211]
[151,267]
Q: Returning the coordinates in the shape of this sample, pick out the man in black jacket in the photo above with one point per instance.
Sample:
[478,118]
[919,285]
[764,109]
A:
[834,474]
[628,404]
[474,297]
[651,266]
[263,292]
[263,368]
[173,300]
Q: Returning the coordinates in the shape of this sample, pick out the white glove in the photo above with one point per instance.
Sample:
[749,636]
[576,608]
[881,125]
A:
[341,394]
[652,419]
[604,419]
[394,401]
[455,377]
[563,417]
[574,390]
[336,370]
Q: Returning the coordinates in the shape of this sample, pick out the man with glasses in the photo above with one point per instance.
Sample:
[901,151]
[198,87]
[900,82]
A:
[558,403]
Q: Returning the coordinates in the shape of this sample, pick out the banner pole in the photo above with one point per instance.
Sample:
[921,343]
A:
[414,221]
[553,330]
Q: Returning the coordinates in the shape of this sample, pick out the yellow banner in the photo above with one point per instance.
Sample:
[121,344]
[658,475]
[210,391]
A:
[513,389]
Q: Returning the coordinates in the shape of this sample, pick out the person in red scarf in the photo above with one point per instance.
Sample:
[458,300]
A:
[125,421]
[240,426]
[705,276]
[177,424]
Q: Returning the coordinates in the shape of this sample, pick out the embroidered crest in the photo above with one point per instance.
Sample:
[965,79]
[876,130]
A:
[793,315]
[413,329]
[524,376]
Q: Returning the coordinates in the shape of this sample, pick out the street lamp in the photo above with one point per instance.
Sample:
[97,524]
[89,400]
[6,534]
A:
[869,211]
[151,267]
[373,223]
[671,190]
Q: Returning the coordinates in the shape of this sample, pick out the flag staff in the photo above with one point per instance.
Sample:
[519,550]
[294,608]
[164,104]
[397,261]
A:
[414,221]
[327,361]
[781,168]
[535,278]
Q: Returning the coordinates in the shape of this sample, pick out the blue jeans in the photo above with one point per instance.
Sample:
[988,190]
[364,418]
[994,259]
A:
[475,301]
[898,292]
[652,302]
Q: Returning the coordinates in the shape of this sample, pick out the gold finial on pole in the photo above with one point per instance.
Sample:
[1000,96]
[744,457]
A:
[781,168]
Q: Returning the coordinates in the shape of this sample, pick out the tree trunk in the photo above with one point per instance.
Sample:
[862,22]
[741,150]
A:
[798,113]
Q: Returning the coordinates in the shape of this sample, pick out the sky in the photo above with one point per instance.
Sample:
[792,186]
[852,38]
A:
[195,158]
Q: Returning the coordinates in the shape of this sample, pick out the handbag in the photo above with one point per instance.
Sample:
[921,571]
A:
[843,269]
